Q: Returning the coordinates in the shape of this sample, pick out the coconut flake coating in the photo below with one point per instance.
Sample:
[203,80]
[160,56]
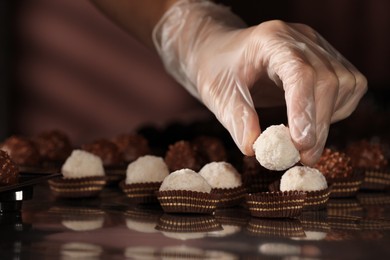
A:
[146,168]
[82,164]
[303,178]
[275,150]
[185,179]
[221,175]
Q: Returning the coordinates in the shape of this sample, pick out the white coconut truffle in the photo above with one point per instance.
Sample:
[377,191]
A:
[221,175]
[185,179]
[275,150]
[303,178]
[147,168]
[82,164]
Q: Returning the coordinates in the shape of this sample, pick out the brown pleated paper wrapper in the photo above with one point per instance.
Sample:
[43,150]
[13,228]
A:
[275,227]
[115,175]
[183,201]
[276,204]
[346,187]
[187,223]
[141,193]
[77,187]
[315,200]
[376,180]
[230,197]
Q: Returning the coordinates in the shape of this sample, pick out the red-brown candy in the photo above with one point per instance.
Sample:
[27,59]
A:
[21,150]
[334,164]
[182,155]
[209,149]
[53,146]
[106,150]
[9,172]
[367,155]
[132,146]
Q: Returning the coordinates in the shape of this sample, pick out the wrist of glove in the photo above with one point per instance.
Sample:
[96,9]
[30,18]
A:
[184,31]
[232,69]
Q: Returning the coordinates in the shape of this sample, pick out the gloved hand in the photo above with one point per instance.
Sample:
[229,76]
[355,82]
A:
[232,69]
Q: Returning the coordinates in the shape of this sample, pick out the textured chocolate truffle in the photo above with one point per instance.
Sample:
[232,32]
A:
[53,145]
[209,149]
[334,164]
[367,155]
[132,146]
[182,155]
[9,172]
[106,150]
[21,150]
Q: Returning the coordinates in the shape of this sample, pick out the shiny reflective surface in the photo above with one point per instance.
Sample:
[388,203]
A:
[108,227]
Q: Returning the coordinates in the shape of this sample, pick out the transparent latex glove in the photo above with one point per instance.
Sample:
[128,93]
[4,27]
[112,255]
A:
[232,69]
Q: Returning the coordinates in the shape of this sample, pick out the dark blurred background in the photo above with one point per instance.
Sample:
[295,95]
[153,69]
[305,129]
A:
[64,65]
[357,28]
[6,39]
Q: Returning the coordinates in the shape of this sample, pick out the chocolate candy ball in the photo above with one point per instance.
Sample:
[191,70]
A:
[9,172]
[21,150]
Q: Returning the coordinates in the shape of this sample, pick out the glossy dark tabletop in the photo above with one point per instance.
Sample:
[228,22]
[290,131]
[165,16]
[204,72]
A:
[109,227]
